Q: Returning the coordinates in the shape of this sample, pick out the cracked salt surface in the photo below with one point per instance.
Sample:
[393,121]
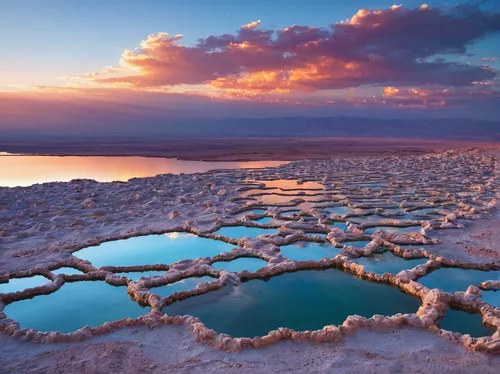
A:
[149,267]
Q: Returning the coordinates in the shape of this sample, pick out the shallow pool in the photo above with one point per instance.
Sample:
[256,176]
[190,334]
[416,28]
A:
[243,263]
[455,279]
[305,251]
[393,230]
[306,300]
[152,249]
[136,275]
[464,323]
[244,231]
[67,270]
[20,284]
[75,305]
[387,263]
[491,297]
[181,286]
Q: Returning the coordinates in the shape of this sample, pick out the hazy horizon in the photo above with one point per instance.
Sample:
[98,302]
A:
[156,69]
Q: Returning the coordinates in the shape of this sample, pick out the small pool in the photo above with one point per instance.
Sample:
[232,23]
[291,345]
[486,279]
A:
[289,184]
[252,211]
[66,270]
[243,263]
[464,323]
[20,284]
[305,300]
[456,279]
[75,305]
[181,286]
[244,231]
[306,251]
[338,224]
[152,249]
[136,275]
[340,210]
[387,263]
[393,230]
[357,243]
[491,297]
[263,220]
[290,213]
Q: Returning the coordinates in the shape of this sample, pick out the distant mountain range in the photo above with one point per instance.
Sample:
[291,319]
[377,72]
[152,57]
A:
[352,127]
[445,128]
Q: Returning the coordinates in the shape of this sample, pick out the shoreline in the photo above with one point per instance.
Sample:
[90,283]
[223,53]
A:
[241,149]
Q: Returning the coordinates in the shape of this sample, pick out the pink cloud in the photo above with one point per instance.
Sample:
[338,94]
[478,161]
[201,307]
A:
[391,47]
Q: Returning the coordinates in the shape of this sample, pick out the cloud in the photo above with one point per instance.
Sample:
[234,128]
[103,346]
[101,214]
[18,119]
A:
[492,59]
[391,47]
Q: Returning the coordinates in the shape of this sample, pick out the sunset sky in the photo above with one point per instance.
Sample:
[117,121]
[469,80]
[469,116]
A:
[66,63]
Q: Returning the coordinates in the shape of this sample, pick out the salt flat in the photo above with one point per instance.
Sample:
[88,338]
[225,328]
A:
[440,207]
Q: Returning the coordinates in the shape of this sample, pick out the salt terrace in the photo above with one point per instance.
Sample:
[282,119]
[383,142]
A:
[358,210]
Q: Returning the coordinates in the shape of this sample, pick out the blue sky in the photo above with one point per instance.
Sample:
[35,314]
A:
[42,40]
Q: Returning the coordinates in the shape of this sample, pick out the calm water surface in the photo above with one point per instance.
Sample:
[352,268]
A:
[18,170]
[454,279]
[306,300]
[243,231]
[20,284]
[387,263]
[152,249]
[305,251]
[75,305]
[240,264]
[180,286]
[464,323]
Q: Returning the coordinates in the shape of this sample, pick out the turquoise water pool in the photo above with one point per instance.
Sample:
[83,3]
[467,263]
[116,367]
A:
[152,249]
[306,300]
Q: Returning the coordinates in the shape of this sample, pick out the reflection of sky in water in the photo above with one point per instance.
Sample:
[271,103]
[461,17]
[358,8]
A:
[454,279]
[240,264]
[491,297]
[264,220]
[357,243]
[273,199]
[341,210]
[304,251]
[139,274]
[253,211]
[290,184]
[465,323]
[393,230]
[305,300]
[290,213]
[20,284]
[181,286]
[242,231]
[340,225]
[387,263]
[75,305]
[27,170]
[66,270]
[152,249]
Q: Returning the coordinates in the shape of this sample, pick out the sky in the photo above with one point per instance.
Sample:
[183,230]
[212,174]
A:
[65,64]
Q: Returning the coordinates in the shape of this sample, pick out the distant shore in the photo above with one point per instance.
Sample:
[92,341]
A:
[236,149]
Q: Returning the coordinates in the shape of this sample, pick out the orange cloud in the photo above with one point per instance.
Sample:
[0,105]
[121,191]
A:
[391,47]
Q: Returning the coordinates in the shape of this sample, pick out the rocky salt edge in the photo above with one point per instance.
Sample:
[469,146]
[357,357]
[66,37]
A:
[44,224]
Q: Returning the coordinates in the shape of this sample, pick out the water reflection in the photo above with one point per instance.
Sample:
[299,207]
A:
[16,170]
